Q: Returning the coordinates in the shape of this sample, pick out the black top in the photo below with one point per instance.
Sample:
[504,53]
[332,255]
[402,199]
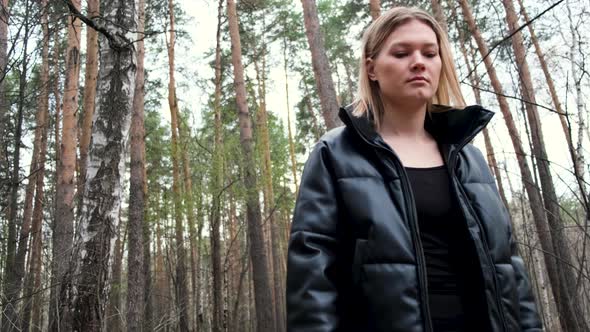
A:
[439,222]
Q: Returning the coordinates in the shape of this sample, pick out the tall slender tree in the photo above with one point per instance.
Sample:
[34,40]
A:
[217,174]
[90,75]
[135,263]
[63,223]
[100,211]
[4,16]
[33,279]
[181,279]
[321,66]
[262,285]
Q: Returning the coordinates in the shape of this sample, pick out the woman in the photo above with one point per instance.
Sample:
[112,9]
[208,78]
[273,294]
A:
[398,225]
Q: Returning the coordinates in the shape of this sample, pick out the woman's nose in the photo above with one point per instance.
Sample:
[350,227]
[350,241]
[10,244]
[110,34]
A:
[417,62]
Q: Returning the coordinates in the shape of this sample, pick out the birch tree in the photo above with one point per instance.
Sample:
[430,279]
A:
[99,217]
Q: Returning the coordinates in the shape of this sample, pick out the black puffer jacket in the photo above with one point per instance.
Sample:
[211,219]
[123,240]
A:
[355,261]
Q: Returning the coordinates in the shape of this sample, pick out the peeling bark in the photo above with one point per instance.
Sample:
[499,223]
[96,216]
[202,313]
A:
[100,211]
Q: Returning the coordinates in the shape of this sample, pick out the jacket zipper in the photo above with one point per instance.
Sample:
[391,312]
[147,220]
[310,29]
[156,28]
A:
[457,185]
[415,230]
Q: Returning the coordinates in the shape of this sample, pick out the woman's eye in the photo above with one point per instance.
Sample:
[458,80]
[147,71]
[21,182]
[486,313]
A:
[431,54]
[400,54]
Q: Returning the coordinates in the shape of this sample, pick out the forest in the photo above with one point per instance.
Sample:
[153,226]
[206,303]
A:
[151,150]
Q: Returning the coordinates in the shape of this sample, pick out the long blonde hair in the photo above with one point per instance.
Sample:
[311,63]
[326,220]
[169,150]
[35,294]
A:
[368,100]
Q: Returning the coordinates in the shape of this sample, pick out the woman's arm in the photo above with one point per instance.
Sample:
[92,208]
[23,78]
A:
[311,290]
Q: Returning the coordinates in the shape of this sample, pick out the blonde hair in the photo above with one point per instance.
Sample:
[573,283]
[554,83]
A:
[368,100]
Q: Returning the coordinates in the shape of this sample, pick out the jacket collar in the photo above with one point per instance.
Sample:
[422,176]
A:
[446,124]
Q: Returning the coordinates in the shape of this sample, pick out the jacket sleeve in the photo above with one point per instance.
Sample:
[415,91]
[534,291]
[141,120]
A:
[529,316]
[311,289]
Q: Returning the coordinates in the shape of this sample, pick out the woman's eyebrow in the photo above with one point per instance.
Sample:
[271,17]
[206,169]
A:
[408,44]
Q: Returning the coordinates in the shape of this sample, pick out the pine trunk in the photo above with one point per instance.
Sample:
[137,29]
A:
[270,204]
[38,166]
[135,256]
[218,168]
[63,224]
[103,192]
[181,289]
[291,143]
[439,15]
[262,285]
[90,75]
[375,8]
[321,66]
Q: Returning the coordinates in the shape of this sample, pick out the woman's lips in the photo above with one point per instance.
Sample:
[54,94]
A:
[418,79]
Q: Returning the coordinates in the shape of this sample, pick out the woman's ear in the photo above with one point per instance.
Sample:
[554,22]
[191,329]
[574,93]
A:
[370,64]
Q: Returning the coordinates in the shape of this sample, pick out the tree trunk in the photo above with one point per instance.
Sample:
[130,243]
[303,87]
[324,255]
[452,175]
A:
[439,15]
[262,290]
[58,105]
[37,166]
[135,264]
[533,193]
[100,211]
[375,8]
[570,305]
[161,287]
[217,171]
[13,273]
[181,280]
[4,165]
[291,144]
[114,310]
[63,224]
[321,66]
[270,215]
[90,75]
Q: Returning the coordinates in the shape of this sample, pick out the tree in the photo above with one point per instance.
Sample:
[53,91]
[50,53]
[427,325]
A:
[63,224]
[90,75]
[33,280]
[136,275]
[375,8]
[181,280]
[262,285]
[100,211]
[321,67]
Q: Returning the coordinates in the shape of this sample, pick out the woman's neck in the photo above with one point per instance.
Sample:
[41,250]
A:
[403,121]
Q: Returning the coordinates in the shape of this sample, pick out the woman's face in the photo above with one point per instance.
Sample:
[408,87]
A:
[408,66]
